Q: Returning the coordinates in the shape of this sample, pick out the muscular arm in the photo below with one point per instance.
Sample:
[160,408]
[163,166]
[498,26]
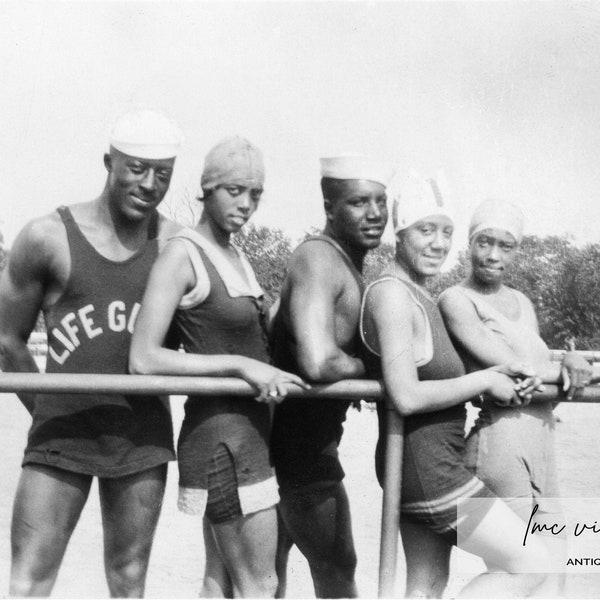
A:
[313,289]
[391,309]
[22,291]
[171,277]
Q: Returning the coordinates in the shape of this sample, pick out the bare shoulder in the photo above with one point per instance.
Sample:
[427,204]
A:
[389,291]
[315,260]
[453,298]
[172,273]
[174,262]
[389,305]
[457,308]
[42,241]
[39,261]
[43,231]
[317,251]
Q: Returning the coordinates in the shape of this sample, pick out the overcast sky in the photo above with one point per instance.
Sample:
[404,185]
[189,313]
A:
[503,96]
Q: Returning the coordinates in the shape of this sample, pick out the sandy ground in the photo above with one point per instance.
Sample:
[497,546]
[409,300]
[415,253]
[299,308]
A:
[177,561]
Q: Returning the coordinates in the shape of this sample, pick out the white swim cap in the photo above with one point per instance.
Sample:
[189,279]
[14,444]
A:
[355,166]
[146,133]
[420,198]
[497,214]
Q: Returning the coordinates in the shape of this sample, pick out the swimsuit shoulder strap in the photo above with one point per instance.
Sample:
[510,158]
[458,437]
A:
[355,272]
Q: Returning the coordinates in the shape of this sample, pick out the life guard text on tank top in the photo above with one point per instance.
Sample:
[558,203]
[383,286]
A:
[90,327]
[85,322]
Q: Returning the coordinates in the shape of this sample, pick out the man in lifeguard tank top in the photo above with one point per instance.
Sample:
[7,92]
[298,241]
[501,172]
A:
[315,335]
[85,266]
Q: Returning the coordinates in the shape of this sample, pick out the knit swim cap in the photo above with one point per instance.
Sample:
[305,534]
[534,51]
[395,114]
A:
[233,160]
[497,214]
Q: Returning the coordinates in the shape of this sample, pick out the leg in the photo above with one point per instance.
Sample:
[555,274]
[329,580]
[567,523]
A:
[318,519]
[554,585]
[47,507]
[130,510]
[498,539]
[427,560]
[555,582]
[247,545]
[514,457]
[284,545]
[216,583]
[549,512]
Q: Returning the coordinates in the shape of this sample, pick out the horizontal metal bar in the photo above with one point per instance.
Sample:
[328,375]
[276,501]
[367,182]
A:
[590,355]
[93,383]
[71,383]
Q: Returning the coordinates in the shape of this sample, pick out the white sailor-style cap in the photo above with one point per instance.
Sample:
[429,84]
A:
[146,133]
[356,166]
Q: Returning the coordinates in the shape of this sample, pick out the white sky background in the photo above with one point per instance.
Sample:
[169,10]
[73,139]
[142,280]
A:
[503,96]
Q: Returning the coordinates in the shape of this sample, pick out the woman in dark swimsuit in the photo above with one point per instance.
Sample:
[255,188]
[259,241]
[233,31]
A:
[202,291]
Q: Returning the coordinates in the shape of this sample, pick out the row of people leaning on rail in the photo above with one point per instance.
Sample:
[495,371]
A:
[265,479]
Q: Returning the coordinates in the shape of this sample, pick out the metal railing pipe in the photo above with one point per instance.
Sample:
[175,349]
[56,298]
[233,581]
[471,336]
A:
[390,510]
[590,355]
[94,383]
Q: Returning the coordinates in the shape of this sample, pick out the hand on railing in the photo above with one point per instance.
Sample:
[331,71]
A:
[576,373]
[527,382]
[269,381]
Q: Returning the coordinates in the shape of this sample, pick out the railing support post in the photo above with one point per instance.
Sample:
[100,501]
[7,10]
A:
[390,514]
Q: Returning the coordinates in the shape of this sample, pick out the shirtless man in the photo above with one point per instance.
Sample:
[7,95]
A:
[85,267]
[510,448]
[315,334]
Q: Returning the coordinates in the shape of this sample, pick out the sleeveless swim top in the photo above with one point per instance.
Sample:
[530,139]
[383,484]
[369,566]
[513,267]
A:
[521,334]
[89,331]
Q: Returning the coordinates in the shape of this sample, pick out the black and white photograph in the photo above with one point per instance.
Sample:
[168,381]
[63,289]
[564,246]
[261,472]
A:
[300,299]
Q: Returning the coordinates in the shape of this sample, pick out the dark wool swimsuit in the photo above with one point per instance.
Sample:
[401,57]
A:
[89,331]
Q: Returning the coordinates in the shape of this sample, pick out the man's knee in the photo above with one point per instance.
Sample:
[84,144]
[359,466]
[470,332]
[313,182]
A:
[24,587]
[334,580]
[426,585]
[126,577]
[342,562]
[266,587]
[46,509]
[32,574]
